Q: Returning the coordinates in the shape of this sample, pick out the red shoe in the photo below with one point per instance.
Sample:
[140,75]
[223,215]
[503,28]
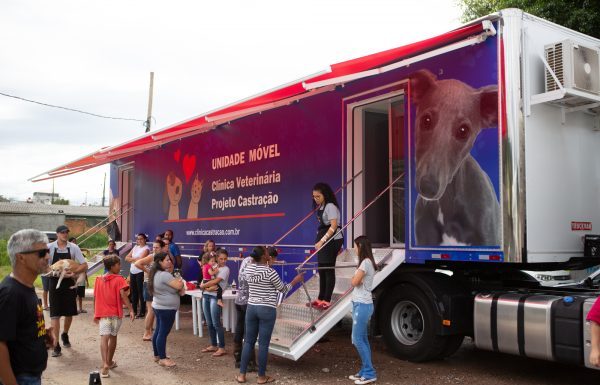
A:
[316,304]
[324,305]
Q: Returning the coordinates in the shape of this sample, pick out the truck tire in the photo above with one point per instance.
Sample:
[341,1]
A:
[407,324]
[453,343]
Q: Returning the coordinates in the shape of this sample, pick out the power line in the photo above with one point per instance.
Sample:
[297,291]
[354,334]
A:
[71,109]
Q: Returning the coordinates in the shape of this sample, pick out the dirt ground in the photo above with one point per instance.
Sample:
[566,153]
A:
[329,362]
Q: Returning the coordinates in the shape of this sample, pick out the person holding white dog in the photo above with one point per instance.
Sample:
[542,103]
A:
[63,298]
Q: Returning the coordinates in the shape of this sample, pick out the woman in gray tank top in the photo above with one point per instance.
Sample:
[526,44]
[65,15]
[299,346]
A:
[362,309]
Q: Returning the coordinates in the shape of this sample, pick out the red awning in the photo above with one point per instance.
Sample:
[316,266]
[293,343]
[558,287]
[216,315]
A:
[267,100]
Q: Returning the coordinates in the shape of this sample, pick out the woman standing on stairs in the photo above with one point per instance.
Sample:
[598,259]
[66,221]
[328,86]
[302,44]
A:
[328,215]
[263,285]
[362,309]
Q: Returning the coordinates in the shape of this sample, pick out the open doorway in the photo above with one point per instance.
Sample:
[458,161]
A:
[126,190]
[377,148]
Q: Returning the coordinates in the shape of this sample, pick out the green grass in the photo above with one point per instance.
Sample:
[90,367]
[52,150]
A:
[5,270]
[96,241]
[4,260]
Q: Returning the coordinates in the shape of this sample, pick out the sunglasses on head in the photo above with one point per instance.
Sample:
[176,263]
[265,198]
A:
[41,252]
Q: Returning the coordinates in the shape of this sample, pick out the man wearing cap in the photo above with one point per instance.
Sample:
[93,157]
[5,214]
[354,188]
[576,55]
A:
[23,334]
[63,299]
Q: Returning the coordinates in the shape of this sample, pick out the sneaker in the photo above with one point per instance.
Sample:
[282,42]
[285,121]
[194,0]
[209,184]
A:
[65,340]
[56,351]
[363,381]
[354,377]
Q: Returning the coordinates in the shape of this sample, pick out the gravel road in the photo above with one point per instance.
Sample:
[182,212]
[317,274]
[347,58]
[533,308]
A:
[329,362]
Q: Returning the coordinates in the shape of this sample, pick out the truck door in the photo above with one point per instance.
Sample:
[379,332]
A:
[376,145]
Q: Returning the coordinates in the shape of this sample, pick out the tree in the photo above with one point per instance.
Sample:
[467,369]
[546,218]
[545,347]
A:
[61,201]
[3,199]
[580,15]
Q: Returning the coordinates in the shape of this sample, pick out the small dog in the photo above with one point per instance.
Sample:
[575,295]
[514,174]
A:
[60,268]
[457,204]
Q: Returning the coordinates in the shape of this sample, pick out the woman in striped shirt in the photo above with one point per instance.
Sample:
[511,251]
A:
[263,284]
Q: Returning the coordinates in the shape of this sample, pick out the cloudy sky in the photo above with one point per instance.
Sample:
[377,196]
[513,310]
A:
[97,56]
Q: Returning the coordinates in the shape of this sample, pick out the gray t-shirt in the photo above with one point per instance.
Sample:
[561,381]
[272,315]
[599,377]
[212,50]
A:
[362,292]
[224,275]
[73,249]
[332,212]
[165,297]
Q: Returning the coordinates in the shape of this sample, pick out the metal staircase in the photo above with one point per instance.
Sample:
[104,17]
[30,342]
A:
[298,327]
[95,263]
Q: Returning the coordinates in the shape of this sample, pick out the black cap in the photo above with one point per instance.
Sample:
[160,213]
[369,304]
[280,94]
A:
[62,228]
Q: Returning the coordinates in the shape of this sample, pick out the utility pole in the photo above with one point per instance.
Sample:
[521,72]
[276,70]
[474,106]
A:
[149,118]
[52,196]
[103,190]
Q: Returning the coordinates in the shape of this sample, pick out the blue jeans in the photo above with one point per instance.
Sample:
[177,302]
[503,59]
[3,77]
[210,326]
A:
[361,314]
[164,323]
[28,379]
[260,321]
[212,315]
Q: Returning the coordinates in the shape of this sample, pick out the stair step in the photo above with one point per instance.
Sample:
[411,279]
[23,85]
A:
[297,311]
[287,330]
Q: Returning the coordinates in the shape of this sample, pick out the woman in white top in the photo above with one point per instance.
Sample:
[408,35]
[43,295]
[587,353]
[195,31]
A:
[362,309]
[136,276]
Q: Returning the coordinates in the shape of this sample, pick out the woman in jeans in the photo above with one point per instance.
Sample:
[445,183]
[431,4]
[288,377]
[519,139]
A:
[212,310]
[362,309]
[328,215]
[263,285]
[165,290]
[136,276]
[145,264]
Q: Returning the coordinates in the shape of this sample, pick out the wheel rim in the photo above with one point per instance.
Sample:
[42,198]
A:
[407,322]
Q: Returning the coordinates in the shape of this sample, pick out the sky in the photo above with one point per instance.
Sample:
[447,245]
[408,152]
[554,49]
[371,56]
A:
[97,57]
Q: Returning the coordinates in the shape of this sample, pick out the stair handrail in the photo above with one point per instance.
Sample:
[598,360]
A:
[315,209]
[104,226]
[301,268]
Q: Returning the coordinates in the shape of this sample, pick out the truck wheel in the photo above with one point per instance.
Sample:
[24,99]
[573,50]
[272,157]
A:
[407,324]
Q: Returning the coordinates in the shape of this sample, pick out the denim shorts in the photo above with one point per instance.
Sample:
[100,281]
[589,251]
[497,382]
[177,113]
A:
[147,295]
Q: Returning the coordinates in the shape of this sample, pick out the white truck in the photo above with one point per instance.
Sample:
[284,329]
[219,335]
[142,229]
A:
[465,158]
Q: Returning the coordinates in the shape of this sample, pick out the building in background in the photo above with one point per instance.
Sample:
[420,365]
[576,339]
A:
[45,197]
[15,216]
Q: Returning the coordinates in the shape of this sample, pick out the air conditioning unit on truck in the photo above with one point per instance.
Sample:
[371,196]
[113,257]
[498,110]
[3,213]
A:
[465,158]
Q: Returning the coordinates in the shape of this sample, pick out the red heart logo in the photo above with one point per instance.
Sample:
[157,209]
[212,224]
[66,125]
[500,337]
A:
[177,155]
[189,165]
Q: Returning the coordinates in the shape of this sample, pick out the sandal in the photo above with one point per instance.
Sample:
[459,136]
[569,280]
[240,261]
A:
[209,349]
[237,378]
[167,363]
[113,365]
[144,338]
[267,380]
[219,354]
[104,374]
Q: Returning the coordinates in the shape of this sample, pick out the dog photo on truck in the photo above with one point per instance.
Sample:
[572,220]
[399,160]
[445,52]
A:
[453,144]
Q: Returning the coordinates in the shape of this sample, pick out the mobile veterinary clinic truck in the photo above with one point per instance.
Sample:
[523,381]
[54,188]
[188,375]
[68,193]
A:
[465,158]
